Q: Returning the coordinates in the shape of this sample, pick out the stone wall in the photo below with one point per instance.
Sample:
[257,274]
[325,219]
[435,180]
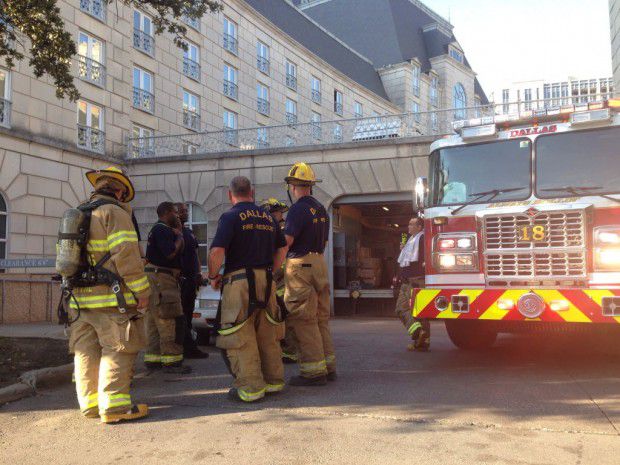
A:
[614,20]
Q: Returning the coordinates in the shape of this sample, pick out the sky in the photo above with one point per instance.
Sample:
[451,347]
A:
[508,41]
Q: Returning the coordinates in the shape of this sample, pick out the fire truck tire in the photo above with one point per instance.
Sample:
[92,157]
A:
[468,336]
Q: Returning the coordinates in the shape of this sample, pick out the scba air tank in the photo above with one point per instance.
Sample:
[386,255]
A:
[71,236]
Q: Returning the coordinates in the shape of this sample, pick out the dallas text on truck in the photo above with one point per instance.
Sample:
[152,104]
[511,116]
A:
[522,225]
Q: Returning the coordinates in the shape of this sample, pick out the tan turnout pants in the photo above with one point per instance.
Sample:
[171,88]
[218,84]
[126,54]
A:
[251,346]
[307,300]
[105,343]
[403,306]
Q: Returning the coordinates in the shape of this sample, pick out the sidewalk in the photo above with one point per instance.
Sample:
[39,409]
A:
[47,330]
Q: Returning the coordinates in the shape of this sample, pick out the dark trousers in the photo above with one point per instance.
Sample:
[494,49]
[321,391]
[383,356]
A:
[188,302]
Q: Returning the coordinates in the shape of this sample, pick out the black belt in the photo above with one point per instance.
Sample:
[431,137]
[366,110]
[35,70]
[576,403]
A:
[232,279]
[150,269]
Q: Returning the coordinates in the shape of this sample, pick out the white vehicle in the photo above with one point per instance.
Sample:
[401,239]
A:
[205,313]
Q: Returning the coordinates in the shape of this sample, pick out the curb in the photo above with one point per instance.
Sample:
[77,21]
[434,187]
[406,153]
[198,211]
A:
[30,380]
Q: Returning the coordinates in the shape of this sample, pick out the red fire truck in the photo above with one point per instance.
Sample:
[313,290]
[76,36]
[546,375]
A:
[522,221]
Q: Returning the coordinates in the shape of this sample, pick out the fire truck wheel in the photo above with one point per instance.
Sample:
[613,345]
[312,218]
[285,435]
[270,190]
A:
[469,335]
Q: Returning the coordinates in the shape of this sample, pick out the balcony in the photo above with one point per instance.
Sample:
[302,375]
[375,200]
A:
[142,148]
[95,8]
[144,42]
[90,139]
[230,44]
[143,100]
[230,89]
[191,120]
[231,136]
[315,131]
[191,69]
[291,118]
[194,23]
[338,108]
[316,96]
[90,70]
[291,82]
[262,106]
[5,113]
[262,64]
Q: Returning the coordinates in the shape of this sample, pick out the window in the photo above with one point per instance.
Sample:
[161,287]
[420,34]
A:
[230,127]
[262,57]
[459,102]
[189,148]
[415,110]
[96,8]
[197,222]
[416,80]
[143,33]
[142,142]
[457,55]
[315,125]
[191,111]
[564,93]
[291,111]
[191,61]
[230,36]
[230,82]
[477,107]
[262,99]
[194,23]
[315,86]
[358,110]
[527,97]
[338,102]
[506,101]
[262,137]
[291,75]
[434,91]
[90,59]
[143,98]
[90,126]
[3,226]
[5,98]
[434,122]
[338,132]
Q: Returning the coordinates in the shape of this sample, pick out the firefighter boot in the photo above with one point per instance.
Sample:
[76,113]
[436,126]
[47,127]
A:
[301,381]
[136,412]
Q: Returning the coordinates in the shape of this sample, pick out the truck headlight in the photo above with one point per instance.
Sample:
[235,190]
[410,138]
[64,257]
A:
[607,248]
[455,252]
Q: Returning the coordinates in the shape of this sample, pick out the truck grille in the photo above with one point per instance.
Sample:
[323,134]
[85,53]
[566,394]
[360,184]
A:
[562,254]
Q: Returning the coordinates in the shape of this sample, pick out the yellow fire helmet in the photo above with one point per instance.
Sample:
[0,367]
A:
[301,174]
[274,205]
[115,173]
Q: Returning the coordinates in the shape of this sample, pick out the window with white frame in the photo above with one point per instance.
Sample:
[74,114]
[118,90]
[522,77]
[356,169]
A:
[91,56]
[194,23]
[506,101]
[434,122]
[143,98]
[142,141]
[291,111]
[5,98]
[358,110]
[143,38]
[434,91]
[4,213]
[96,8]
[416,80]
[262,137]
[477,107]
[459,99]
[230,127]
[338,132]
[338,99]
[315,125]
[230,82]
[315,89]
[262,99]
[415,110]
[457,55]
[291,75]
[191,61]
[90,129]
[191,111]
[197,221]
[230,36]
[262,57]
[527,97]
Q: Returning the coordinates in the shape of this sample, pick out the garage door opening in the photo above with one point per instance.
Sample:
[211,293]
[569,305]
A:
[366,243]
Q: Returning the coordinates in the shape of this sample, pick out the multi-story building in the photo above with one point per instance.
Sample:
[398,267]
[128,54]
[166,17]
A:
[540,94]
[614,22]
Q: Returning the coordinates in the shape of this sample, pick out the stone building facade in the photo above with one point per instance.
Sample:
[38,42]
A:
[614,22]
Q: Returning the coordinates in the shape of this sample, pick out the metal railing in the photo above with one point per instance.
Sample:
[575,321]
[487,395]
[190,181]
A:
[262,106]
[191,22]
[291,118]
[144,42]
[262,64]
[291,82]
[91,71]
[315,95]
[230,89]
[91,139]
[191,68]
[5,113]
[96,8]
[143,100]
[191,120]
[338,108]
[230,43]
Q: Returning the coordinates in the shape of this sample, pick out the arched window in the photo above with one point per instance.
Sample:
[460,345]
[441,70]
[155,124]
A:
[197,222]
[459,101]
[3,227]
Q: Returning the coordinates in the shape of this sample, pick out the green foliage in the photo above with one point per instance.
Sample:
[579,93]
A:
[35,28]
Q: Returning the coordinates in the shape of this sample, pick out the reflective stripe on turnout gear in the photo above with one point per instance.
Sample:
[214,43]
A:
[152,358]
[313,368]
[289,356]
[138,285]
[330,359]
[88,402]
[170,359]
[121,236]
[114,400]
[247,396]
[271,320]
[415,326]
[232,329]
[274,387]
[98,301]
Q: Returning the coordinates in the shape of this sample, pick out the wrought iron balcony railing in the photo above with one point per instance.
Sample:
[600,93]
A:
[338,108]
[291,82]
[230,43]
[144,42]
[96,8]
[5,113]
[91,70]
[316,96]
[262,106]
[230,89]
[191,68]
[191,120]
[143,100]
[262,64]
[291,118]
[90,139]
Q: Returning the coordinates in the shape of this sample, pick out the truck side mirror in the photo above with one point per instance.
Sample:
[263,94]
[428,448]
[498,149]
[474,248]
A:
[421,192]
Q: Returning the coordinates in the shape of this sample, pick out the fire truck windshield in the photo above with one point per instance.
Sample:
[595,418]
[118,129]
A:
[501,168]
[567,161]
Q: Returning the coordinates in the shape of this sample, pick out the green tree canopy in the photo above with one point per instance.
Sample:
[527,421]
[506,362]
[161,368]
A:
[34,28]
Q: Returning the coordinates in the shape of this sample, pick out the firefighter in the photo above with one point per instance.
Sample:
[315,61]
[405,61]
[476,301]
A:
[307,283]
[250,325]
[289,352]
[104,340]
[165,322]
[411,275]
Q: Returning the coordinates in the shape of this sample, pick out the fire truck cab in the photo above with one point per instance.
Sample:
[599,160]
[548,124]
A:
[522,224]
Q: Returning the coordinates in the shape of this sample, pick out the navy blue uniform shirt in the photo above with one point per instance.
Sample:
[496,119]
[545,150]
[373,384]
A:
[190,267]
[250,235]
[160,244]
[308,223]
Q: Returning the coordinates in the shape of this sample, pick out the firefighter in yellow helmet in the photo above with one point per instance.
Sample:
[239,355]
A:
[108,328]
[289,350]
[306,280]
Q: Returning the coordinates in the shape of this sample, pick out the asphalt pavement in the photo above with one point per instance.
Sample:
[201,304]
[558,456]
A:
[548,399]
